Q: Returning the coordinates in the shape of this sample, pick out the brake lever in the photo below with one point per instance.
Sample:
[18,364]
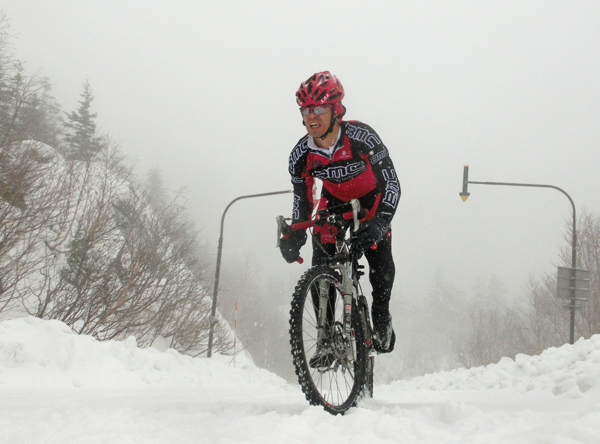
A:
[355,210]
[280,227]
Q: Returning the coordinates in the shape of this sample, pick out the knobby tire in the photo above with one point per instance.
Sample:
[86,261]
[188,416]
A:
[339,387]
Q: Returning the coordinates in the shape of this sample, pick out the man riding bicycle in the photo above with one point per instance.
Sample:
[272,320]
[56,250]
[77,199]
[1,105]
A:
[353,163]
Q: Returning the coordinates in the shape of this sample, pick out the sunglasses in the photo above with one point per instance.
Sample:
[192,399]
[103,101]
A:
[305,111]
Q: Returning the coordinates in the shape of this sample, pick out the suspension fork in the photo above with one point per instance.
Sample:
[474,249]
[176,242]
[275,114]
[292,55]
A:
[324,288]
[349,292]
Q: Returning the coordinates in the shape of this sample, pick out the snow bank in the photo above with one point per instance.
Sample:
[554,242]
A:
[570,370]
[40,354]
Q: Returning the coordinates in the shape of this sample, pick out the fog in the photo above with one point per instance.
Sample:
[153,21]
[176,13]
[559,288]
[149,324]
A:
[205,91]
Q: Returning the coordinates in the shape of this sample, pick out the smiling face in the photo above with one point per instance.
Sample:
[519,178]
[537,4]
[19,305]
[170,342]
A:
[317,124]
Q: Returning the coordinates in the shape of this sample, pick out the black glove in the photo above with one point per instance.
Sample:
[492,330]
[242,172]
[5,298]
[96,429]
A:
[372,231]
[290,247]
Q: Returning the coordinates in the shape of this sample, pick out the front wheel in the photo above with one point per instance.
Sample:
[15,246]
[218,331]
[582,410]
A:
[336,381]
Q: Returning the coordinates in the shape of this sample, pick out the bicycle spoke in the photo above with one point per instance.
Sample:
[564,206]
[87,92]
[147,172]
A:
[337,384]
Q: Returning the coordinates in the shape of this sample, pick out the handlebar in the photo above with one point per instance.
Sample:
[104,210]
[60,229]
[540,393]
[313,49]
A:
[324,218]
[336,214]
[329,218]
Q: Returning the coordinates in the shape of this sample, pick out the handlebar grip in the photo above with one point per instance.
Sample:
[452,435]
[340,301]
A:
[300,260]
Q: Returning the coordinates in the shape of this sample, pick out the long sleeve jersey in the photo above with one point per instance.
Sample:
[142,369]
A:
[357,167]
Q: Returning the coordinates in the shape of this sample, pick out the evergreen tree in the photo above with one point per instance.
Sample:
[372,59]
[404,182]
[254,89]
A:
[27,109]
[83,143]
[155,188]
[44,121]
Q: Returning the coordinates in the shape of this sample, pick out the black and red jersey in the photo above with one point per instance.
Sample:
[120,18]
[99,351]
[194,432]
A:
[357,167]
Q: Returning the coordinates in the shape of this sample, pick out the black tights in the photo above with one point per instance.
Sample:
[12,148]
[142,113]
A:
[381,273]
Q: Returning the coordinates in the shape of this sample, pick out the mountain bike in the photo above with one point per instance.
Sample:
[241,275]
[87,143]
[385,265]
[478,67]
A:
[330,328]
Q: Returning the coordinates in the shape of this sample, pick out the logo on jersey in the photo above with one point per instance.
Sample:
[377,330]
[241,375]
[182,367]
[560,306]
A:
[392,187]
[296,207]
[379,156]
[362,135]
[339,173]
[297,153]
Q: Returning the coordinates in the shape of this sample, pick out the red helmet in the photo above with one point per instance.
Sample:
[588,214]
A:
[323,88]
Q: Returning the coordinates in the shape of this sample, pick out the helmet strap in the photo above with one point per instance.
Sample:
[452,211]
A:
[331,125]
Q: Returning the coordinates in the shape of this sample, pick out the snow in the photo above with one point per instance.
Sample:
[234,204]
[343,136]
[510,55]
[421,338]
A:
[59,387]
[569,371]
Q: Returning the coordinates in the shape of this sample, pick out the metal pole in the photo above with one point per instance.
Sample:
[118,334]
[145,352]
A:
[213,312]
[573,241]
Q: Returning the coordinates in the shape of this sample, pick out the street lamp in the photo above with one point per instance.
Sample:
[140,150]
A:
[213,312]
[573,279]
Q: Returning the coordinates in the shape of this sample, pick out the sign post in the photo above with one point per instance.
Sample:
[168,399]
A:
[574,285]
[464,194]
[213,313]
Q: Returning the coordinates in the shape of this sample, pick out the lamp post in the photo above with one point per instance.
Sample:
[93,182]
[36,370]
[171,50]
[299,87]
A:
[213,312]
[465,195]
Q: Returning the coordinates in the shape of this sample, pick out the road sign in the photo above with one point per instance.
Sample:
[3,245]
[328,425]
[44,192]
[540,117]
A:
[573,283]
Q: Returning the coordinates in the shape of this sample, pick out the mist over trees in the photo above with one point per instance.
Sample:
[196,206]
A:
[439,330]
[447,330]
[81,140]
[82,240]
[85,242]
[263,305]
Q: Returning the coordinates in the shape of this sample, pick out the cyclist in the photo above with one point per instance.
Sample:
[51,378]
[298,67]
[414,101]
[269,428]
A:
[353,163]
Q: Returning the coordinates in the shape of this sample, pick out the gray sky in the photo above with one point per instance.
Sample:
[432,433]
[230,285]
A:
[205,90]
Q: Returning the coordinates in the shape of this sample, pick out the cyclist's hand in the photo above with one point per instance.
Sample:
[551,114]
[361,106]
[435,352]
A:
[290,245]
[372,231]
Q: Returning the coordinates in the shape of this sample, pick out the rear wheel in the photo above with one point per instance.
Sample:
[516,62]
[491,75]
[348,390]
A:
[338,384]
[367,391]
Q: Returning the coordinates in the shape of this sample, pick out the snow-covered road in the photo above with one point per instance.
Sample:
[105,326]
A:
[57,387]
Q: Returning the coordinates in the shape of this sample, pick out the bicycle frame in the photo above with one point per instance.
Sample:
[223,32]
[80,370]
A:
[345,261]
